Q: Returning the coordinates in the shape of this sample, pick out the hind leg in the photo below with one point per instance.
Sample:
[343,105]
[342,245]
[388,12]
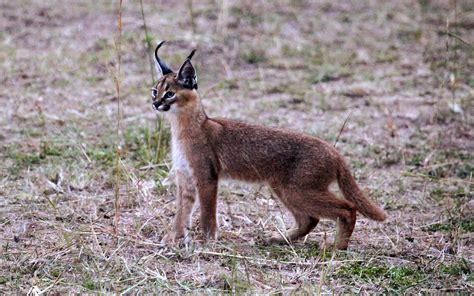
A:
[304,225]
[304,222]
[324,204]
[345,229]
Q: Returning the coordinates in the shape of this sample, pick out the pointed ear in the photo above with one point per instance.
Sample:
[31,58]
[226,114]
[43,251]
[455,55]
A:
[160,66]
[187,74]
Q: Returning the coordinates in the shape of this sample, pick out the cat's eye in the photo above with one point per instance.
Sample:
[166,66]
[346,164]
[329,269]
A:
[169,94]
[154,92]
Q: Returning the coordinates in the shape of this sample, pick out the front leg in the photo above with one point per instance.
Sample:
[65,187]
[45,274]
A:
[186,197]
[207,193]
[207,184]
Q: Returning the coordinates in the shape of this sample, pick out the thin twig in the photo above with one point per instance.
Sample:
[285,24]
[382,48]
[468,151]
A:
[191,15]
[456,36]
[148,43]
[411,174]
[269,261]
[119,127]
[342,128]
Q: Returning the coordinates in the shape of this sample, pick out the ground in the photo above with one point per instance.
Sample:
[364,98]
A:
[84,185]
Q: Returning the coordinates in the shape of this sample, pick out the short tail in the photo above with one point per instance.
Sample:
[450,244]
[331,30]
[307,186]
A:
[352,192]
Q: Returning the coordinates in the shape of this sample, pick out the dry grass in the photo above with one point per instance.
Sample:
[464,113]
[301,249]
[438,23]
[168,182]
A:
[402,72]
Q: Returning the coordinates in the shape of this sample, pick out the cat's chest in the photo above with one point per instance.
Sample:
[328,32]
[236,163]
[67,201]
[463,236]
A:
[178,157]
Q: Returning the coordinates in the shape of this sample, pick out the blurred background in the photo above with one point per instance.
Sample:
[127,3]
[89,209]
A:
[84,190]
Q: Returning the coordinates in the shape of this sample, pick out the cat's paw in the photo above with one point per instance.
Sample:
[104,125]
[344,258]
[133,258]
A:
[203,239]
[171,238]
[326,246]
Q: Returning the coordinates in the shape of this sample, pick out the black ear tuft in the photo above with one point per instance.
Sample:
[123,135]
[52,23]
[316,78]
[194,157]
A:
[190,56]
[187,74]
[160,65]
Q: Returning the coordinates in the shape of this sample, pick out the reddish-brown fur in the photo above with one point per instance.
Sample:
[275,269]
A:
[299,168]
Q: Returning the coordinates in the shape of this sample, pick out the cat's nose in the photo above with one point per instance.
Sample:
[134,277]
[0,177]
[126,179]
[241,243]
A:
[156,104]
